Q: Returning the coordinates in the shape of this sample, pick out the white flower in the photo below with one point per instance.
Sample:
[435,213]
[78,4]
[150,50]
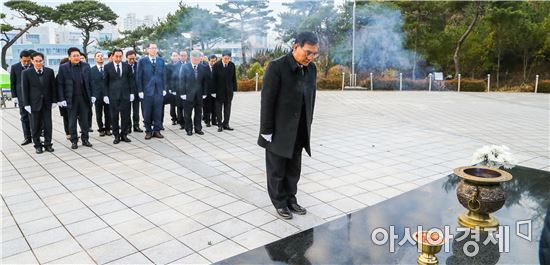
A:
[494,156]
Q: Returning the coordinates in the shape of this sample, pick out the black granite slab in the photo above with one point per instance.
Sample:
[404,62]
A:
[347,240]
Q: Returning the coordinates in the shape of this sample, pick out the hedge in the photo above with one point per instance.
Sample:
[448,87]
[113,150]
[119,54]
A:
[249,85]
[544,86]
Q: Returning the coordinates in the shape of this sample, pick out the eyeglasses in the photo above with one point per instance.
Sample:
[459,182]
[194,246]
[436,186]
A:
[311,54]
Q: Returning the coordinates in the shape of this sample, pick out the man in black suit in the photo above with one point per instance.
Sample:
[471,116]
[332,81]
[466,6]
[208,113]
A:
[75,94]
[225,81]
[171,78]
[15,82]
[39,97]
[288,99]
[135,105]
[98,86]
[209,103]
[119,93]
[193,85]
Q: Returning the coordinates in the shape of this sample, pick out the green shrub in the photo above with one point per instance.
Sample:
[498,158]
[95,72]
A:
[329,83]
[471,85]
[544,86]
[249,85]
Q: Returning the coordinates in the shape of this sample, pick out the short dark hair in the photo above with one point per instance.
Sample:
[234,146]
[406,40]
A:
[95,54]
[24,53]
[31,51]
[35,54]
[82,54]
[115,50]
[73,49]
[130,52]
[226,52]
[306,37]
[109,54]
[64,60]
[213,56]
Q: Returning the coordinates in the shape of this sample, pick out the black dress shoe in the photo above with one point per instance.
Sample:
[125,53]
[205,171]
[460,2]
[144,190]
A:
[74,145]
[102,133]
[297,209]
[148,135]
[108,132]
[182,128]
[162,128]
[27,141]
[90,130]
[284,213]
[220,129]
[228,128]
[39,150]
[208,124]
[158,135]
[86,143]
[174,123]
[189,133]
[49,148]
[125,139]
[199,132]
[214,123]
[116,140]
[137,129]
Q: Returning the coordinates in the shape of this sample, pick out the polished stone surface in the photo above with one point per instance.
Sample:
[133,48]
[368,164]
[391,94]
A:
[347,240]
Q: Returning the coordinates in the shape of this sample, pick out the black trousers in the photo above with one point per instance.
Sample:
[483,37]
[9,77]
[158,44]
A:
[136,109]
[79,112]
[226,113]
[25,122]
[179,112]
[189,107]
[120,109]
[90,116]
[65,114]
[209,110]
[282,177]
[42,119]
[173,106]
[100,109]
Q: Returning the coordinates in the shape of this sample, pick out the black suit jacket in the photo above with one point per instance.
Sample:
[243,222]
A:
[281,104]
[65,83]
[225,81]
[211,87]
[119,87]
[36,93]
[15,79]
[172,77]
[98,82]
[193,88]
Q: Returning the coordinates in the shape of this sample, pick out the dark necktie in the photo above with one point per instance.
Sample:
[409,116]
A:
[101,69]
[118,69]
[195,70]
[40,72]
[154,65]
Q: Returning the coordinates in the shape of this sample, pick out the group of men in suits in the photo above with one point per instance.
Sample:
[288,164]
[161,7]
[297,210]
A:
[117,89]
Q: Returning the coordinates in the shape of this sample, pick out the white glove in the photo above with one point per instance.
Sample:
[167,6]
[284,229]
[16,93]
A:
[203,97]
[106,99]
[63,103]
[213,95]
[93,100]
[267,137]
[174,93]
[140,95]
[15,101]
[170,91]
[163,93]
[54,105]
[184,97]
[28,109]
[131,97]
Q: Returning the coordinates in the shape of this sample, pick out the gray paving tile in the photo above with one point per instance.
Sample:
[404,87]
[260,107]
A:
[167,252]
[148,238]
[57,250]
[112,251]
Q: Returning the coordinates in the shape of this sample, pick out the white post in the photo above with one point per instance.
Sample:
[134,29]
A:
[430,82]
[354,80]
[536,83]
[400,81]
[256,82]
[458,82]
[353,48]
[488,82]
[371,85]
[343,80]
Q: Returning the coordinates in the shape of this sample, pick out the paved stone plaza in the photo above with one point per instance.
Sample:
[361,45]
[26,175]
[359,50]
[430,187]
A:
[201,199]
